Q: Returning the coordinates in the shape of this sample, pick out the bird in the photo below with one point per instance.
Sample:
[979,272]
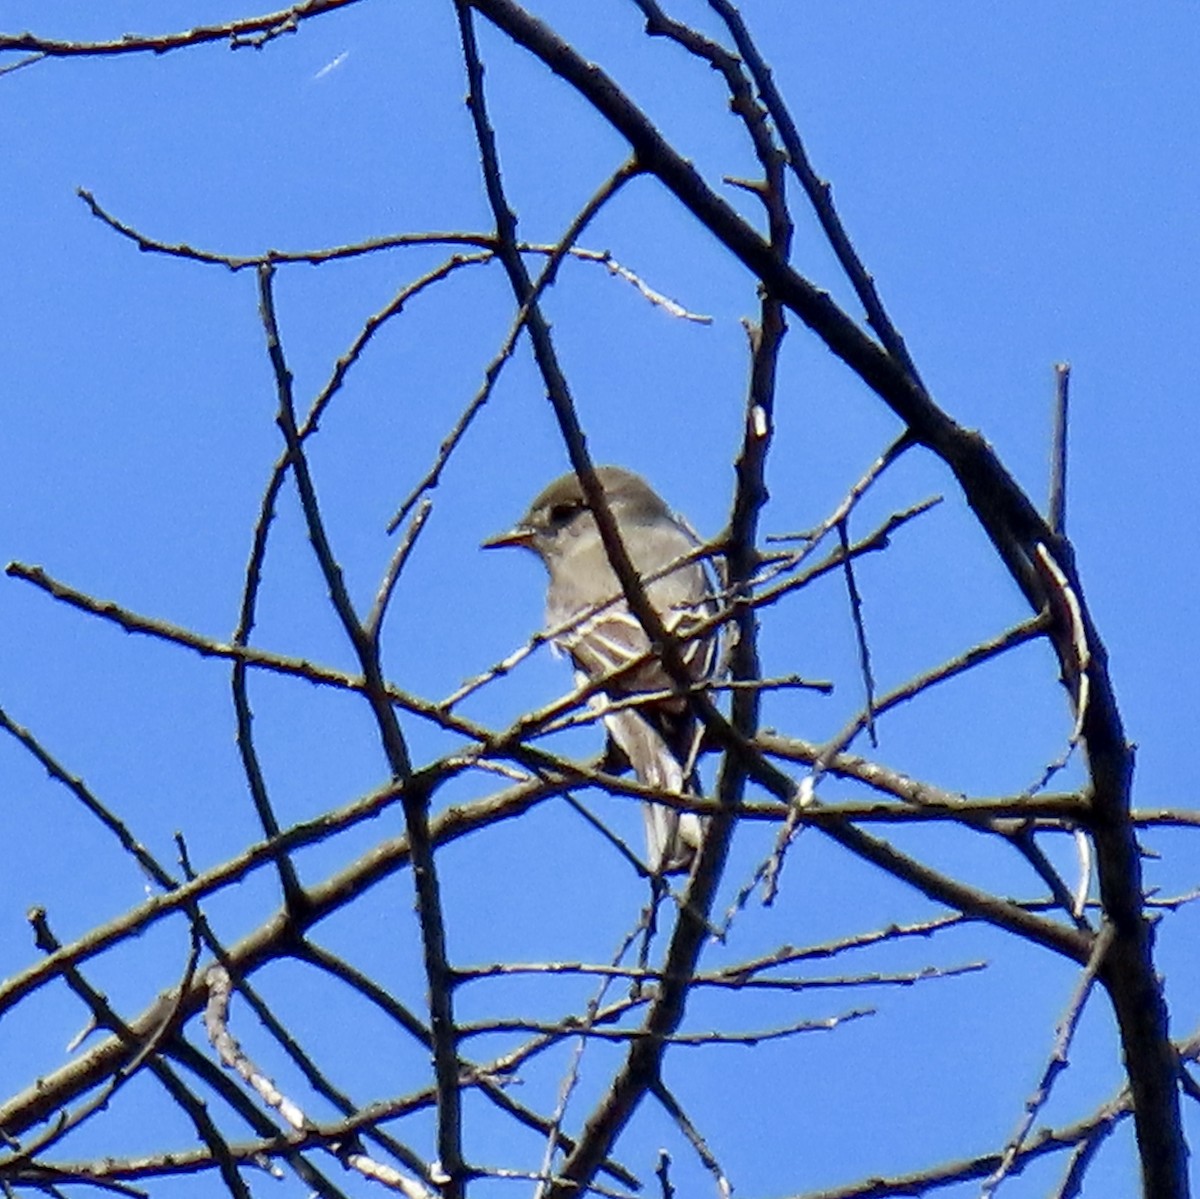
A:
[660,738]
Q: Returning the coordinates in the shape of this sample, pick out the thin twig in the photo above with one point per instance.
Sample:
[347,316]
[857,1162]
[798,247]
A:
[860,633]
[478,1076]
[571,1079]
[485,242]
[1058,1061]
[707,1158]
[128,842]
[249,31]
[374,622]
[607,190]
[1056,516]
[816,189]
[235,1058]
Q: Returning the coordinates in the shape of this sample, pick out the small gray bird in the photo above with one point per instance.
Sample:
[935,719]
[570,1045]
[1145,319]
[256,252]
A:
[660,739]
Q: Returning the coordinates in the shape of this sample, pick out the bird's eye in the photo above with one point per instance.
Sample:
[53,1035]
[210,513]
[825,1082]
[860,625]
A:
[560,514]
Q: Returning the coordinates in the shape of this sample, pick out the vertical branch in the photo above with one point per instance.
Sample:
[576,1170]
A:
[860,633]
[817,190]
[293,892]
[751,495]
[642,1070]
[415,795]
[1056,516]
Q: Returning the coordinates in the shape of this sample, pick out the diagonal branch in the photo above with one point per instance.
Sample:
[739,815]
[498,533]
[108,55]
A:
[249,31]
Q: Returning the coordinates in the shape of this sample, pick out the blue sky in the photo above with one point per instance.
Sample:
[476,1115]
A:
[1021,179]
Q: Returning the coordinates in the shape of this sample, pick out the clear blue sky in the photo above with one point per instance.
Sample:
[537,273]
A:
[1022,180]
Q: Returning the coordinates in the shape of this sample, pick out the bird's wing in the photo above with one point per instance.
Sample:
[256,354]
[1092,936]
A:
[613,639]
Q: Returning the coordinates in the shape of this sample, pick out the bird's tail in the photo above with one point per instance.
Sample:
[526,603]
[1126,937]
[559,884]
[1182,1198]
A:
[672,837]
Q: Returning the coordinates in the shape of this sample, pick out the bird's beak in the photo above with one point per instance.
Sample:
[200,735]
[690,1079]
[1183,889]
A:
[520,535]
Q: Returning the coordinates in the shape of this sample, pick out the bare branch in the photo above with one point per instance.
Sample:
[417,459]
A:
[250,31]
[1057,511]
